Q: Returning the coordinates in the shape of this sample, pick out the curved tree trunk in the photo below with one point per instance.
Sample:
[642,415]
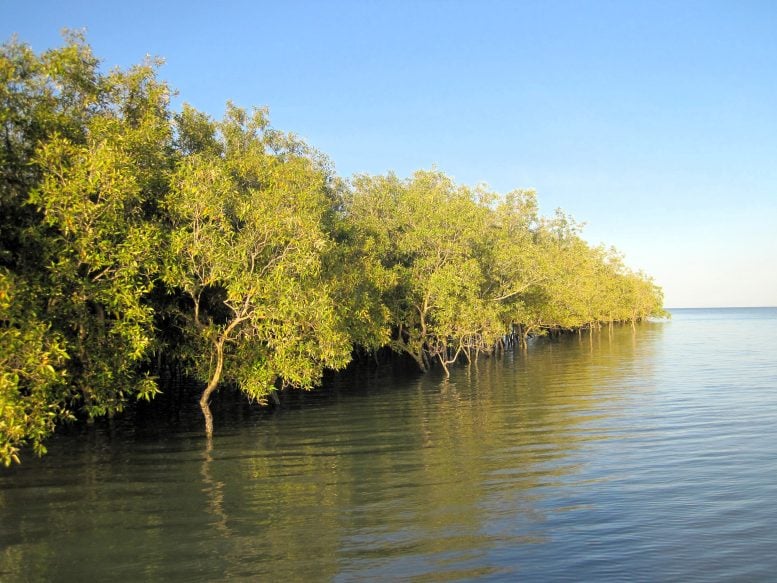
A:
[445,361]
[212,385]
[444,365]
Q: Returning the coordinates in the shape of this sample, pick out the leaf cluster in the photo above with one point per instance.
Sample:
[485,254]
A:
[135,240]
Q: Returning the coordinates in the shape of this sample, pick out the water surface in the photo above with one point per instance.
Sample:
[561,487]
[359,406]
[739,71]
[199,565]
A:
[626,455]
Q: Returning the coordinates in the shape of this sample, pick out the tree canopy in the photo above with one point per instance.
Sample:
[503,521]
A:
[132,235]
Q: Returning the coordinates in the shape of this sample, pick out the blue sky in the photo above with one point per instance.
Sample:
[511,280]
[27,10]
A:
[655,123]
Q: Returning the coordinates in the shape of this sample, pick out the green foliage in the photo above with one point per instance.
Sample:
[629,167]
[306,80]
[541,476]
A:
[97,198]
[469,267]
[231,249]
[84,159]
[427,234]
[249,211]
[32,380]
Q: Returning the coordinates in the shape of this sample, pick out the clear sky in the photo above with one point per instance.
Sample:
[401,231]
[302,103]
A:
[655,123]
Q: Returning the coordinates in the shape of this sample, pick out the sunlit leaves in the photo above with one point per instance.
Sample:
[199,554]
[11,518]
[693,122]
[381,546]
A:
[230,249]
[249,211]
[32,378]
[469,266]
[85,160]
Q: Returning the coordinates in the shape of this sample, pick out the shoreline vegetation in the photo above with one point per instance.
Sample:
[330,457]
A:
[138,242]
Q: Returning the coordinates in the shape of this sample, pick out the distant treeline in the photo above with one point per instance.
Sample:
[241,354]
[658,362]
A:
[135,240]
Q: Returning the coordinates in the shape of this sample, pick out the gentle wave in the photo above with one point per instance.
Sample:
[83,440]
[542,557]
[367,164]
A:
[622,455]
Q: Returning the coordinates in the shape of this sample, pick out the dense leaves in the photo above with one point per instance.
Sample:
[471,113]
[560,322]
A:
[84,158]
[134,238]
[249,234]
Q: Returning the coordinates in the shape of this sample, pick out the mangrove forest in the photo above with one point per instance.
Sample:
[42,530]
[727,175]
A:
[138,239]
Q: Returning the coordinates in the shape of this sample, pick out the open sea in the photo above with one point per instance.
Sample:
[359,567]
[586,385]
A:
[622,455]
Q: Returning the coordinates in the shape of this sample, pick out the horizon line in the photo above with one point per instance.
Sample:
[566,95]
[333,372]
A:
[719,307]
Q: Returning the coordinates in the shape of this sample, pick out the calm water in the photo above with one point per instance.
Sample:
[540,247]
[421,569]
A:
[624,456]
